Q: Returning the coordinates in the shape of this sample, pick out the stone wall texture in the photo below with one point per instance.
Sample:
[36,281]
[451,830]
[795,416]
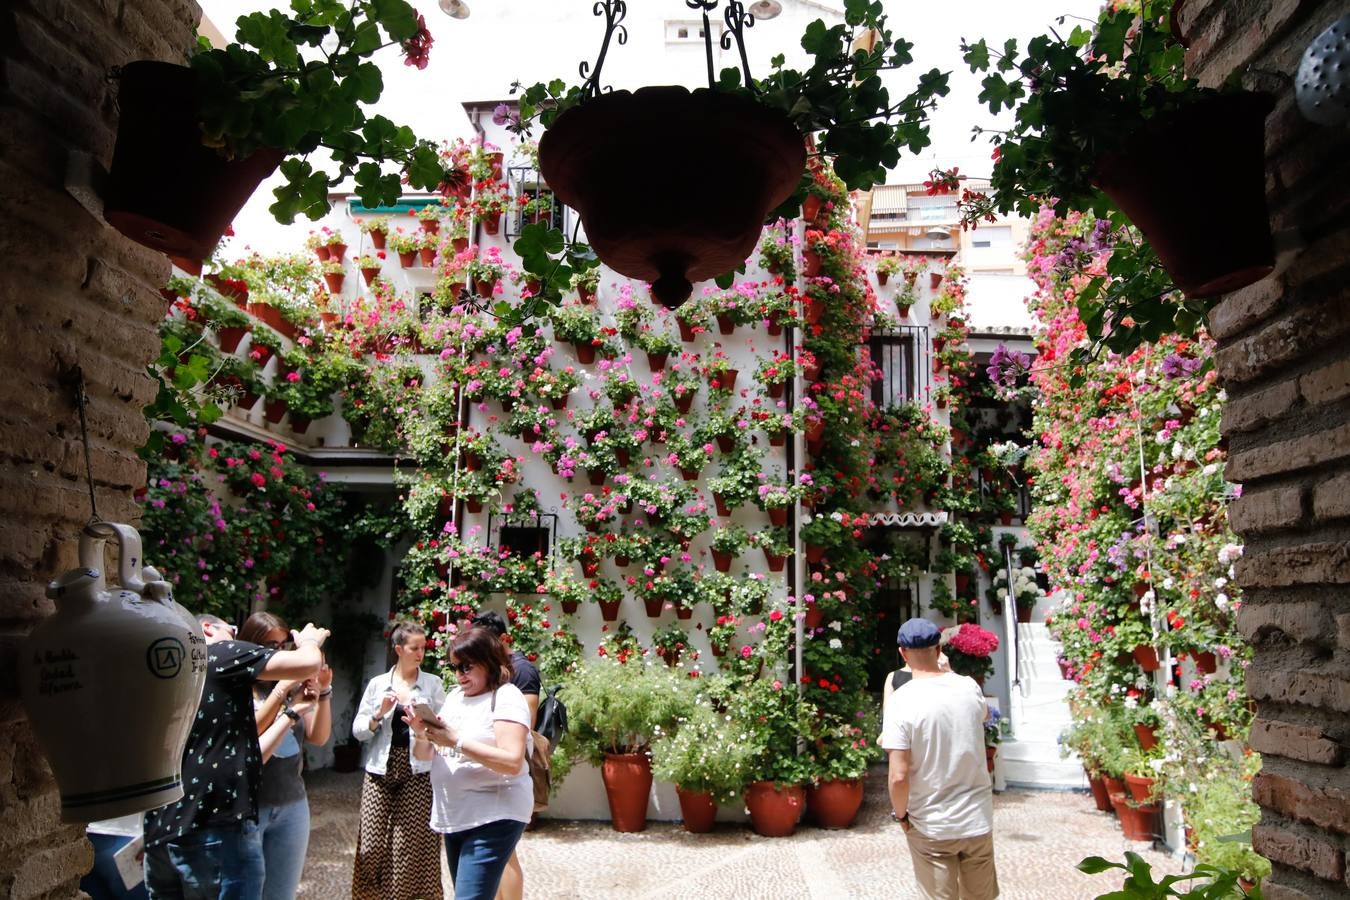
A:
[73,293]
[1285,361]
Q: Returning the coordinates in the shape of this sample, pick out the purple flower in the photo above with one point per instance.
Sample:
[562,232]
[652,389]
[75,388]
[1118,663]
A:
[503,114]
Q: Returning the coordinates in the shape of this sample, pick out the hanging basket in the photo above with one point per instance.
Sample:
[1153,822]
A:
[1223,242]
[165,190]
[694,227]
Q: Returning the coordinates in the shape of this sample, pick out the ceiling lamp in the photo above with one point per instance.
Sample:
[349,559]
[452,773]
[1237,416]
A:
[765,9]
[938,234]
[455,9]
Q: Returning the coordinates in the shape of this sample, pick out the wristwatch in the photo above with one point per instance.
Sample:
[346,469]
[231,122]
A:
[291,714]
[900,819]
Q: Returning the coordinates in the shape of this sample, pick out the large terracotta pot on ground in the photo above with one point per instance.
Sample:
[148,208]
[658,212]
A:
[698,810]
[628,782]
[774,808]
[1100,796]
[1137,822]
[688,226]
[1140,789]
[165,190]
[1223,242]
[835,804]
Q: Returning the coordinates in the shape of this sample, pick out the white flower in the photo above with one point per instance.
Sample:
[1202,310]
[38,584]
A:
[835,643]
[837,516]
[1220,581]
[837,625]
[1221,600]
[1002,593]
[1177,449]
[1168,582]
[1131,702]
[1211,468]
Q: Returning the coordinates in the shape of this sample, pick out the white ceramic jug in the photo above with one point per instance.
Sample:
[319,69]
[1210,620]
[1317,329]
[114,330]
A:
[111,682]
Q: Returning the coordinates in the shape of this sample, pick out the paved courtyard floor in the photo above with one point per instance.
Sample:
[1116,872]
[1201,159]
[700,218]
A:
[1038,837]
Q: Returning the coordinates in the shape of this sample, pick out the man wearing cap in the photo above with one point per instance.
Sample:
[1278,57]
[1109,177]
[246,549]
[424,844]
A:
[933,733]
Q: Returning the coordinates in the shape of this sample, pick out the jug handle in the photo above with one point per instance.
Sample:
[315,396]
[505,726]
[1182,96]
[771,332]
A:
[128,557]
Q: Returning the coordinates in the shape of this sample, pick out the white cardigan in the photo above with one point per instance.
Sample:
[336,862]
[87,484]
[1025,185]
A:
[429,690]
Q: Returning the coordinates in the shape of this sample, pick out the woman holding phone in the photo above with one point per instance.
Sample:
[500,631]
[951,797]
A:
[477,746]
[398,856]
[286,713]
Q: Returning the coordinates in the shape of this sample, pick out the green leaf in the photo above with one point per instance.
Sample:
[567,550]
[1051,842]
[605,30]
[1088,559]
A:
[397,16]
[366,83]
[1094,865]
[268,32]
[977,56]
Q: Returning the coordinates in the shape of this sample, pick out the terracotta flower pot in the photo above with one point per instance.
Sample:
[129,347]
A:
[609,610]
[459,244]
[778,516]
[570,606]
[810,264]
[1140,788]
[1147,736]
[274,410]
[685,401]
[585,353]
[427,255]
[882,278]
[628,782]
[430,226]
[722,508]
[1206,663]
[369,273]
[774,809]
[230,337]
[1224,243]
[377,239]
[697,809]
[835,804]
[726,443]
[492,223]
[686,331]
[683,612]
[725,324]
[1100,796]
[725,379]
[407,260]
[814,617]
[322,252]
[656,361]
[722,560]
[811,208]
[693,229]
[934,279]
[1138,823]
[774,561]
[337,252]
[1147,657]
[654,606]
[814,553]
[157,146]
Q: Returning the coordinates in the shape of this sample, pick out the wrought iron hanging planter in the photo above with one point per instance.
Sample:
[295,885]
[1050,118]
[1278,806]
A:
[630,164]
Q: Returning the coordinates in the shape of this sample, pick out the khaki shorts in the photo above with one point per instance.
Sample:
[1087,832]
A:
[955,869]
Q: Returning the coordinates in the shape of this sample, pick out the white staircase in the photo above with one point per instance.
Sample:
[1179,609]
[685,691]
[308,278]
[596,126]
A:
[1039,713]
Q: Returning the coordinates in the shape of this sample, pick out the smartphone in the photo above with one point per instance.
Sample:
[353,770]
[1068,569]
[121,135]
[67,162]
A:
[424,712]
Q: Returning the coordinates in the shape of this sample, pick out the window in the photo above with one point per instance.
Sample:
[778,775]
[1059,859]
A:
[979,243]
[524,541]
[896,355]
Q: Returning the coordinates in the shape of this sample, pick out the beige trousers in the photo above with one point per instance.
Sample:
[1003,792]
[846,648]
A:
[955,869]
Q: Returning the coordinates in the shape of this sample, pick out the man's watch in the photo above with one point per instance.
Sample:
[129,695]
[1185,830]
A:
[291,714]
[901,819]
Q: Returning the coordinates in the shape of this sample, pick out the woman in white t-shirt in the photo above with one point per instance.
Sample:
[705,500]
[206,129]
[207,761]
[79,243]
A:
[482,796]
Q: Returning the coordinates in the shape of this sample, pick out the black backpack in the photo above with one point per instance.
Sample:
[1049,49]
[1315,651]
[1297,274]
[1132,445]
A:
[552,719]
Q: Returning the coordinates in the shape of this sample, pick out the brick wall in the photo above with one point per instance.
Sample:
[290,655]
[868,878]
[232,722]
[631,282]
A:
[1285,360]
[73,292]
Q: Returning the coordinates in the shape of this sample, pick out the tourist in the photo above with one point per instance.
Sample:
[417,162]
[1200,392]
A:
[933,732]
[208,843]
[281,709]
[524,676]
[477,746]
[398,856]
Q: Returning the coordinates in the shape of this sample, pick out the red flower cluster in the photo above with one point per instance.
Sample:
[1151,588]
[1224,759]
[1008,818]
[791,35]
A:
[972,640]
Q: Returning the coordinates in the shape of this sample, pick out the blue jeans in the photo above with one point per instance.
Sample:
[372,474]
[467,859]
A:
[478,857]
[285,839]
[213,864]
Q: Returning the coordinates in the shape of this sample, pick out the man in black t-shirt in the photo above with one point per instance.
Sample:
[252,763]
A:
[525,676]
[207,844]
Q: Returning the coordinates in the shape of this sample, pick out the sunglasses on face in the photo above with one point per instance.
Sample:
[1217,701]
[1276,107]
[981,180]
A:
[462,668]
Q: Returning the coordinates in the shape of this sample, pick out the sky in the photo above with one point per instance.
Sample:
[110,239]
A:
[531,40]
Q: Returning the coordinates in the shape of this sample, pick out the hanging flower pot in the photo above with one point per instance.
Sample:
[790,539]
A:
[1205,662]
[570,606]
[430,226]
[428,255]
[586,295]
[609,609]
[628,782]
[322,252]
[722,508]
[653,606]
[559,403]
[689,474]
[485,288]
[882,278]
[684,401]
[934,279]
[274,410]
[377,239]
[492,223]
[686,331]
[1147,736]
[697,809]
[1212,247]
[722,560]
[621,561]
[369,273]
[407,260]
[773,328]
[810,264]
[774,809]
[724,379]
[299,424]
[726,443]
[777,438]
[230,337]
[694,228]
[814,553]
[774,561]
[656,361]
[1147,657]
[460,244]
[334,281]
[596,477]
[585,353]
[814,617]
[777,516]
[158,147]
[725,324]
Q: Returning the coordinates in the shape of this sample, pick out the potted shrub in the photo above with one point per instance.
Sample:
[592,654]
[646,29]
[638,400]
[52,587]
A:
[772,716]
[886,267]
[706,759]
[777,251]
[840,761]
[670,642]
[376,227]
[614,711]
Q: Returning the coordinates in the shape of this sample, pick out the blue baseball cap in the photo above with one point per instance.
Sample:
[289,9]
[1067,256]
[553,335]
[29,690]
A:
[917,634]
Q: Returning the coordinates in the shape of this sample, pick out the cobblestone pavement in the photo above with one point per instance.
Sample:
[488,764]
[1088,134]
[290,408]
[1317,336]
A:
[1038,837]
